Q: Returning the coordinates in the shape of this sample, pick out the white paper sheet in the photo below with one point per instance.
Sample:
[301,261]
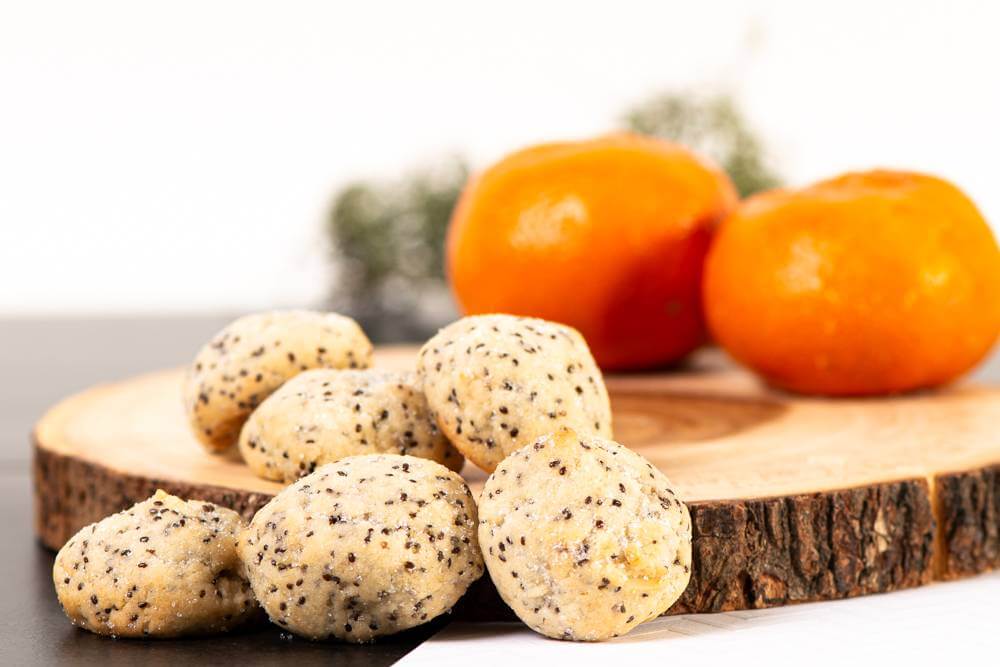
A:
[954,623]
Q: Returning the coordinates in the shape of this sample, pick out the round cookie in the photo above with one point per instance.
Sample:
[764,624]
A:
[255,355]
[366,546]
[164,568]
[583,538]
[497,382]
[321,416]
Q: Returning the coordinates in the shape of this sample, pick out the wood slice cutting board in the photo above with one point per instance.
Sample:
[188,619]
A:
[792,499]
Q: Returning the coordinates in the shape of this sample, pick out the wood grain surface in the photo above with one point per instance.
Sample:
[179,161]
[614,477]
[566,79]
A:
[793,499]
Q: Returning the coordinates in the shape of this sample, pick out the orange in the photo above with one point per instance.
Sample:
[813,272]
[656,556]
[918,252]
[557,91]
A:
[607,235]
[870,283]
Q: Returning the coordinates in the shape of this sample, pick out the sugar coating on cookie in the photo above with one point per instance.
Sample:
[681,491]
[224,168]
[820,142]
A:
[583,538]
[163,568]
[253,356]
[321,416]
[367,546]
[498,382]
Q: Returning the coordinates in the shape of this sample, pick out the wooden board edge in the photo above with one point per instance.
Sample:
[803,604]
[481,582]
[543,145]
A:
[748,554]
[968,514]
[767,552]
[70,493]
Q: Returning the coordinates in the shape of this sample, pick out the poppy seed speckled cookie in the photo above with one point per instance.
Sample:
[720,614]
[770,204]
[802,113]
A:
[497,382]
[253,356]
[583,538]
[364,547]
[164,568]
[321,416]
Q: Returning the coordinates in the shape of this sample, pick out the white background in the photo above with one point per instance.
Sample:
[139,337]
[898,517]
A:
[180,156]
[941,624]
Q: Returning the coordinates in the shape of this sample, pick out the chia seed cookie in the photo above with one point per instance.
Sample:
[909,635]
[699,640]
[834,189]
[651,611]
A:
[364,547]
[255,355]
[497,382]
[321,416]
[583,538]
[164,568]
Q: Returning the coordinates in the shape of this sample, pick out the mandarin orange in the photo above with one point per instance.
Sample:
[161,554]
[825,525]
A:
[607,235]
[870,283]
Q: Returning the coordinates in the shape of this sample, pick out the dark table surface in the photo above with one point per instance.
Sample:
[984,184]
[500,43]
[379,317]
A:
[43,360]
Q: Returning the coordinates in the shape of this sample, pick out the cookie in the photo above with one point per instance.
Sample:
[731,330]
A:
[583,538]
[255,355]
[497,382]
[321,416]
[364,547]
[164,568]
